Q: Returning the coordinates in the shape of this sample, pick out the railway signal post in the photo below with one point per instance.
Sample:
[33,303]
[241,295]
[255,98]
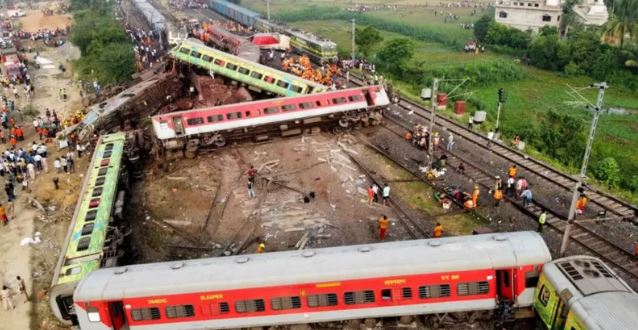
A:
[353,38]
[583,169]
[501,100]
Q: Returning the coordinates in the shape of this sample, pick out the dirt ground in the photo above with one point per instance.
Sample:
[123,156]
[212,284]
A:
[35,262]
[35,21]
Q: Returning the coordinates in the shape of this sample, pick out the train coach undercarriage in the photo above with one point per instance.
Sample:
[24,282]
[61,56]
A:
[190,145]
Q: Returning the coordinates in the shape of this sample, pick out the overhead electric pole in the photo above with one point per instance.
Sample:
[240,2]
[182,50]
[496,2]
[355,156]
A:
[435,86]
[583,169]
[268,9]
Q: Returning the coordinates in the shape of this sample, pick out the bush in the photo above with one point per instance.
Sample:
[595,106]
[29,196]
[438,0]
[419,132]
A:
[608,172]
[561,137]
[633,183]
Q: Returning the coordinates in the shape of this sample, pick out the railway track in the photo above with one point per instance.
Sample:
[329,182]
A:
[622,260]
[606,201]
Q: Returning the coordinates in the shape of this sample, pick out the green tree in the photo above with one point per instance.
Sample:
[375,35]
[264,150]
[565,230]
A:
[608,172]
[396,53]
[547,52]
[367,38]
[561,137]
[633,183]
[624,20]
[482,25]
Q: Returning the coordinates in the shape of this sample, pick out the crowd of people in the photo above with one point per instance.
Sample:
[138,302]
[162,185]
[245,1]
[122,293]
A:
[146,45]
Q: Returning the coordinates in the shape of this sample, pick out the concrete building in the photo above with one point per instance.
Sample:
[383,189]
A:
[534,14]
[528,14]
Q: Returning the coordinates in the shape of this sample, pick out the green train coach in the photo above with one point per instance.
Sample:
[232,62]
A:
[91,243]
[583,293]
[258,77]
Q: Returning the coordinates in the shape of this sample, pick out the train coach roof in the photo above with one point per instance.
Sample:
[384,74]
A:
[608,311]
[503,250]
[237,8]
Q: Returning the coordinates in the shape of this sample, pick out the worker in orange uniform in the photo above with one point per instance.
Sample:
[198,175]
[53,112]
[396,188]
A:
[408,136]
[261,248]
[3,215]
[383,227]
[581,203]
[512,171]
[475,195]
[498,196]
[438,231]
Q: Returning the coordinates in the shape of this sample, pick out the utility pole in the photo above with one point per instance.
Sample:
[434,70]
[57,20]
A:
[583,169]
[353,39]
[435,86]
[268,9]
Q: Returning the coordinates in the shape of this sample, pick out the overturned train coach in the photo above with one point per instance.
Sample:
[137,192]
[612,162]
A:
[214,126]
[463,274]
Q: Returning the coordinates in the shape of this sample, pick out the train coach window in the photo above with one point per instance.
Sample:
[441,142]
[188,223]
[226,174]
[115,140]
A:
[143,314]
[531,279]
[288,107]
[358,297]
[285,303]
[215,118]
[90,215]
[196,54]
[270,110]
[296,89]
[102,171]
[339,100]
[247,113]
[269,79]
[87,228]
[83,243]
[219,62]
[306,105]
[386,294]
[108,146]
[322,300]
[207,58]
[407,293]
[233,115]
[472,288]
[243,71]
[173,312]
[434,291]
[223,307]
[355,98]
[231,66]
[249,306]
[184,50]
[195,121]
[256,75]
[282,84]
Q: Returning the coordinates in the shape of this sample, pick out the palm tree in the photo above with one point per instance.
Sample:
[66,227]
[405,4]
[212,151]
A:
[624,20]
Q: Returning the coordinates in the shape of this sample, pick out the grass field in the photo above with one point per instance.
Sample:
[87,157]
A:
[527,99]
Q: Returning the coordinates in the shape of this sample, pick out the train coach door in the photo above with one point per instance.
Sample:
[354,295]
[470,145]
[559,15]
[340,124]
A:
[505,284]
[116,312]
[178,125]
[369,98]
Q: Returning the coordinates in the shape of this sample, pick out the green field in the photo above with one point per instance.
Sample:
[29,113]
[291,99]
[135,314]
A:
[527,99]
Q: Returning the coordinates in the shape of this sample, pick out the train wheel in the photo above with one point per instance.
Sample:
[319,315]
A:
[343,122]
[219,140]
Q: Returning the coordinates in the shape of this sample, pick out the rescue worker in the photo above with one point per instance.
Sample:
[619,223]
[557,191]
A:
[581,203]
[408,136]
[541,221]
[370,195]
[438,231]
[498,196]
[261,248]
[475,195]
[512,171]
[383,227]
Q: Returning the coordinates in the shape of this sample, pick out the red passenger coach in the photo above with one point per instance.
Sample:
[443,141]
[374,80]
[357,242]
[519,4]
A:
[455,274]
[212,126]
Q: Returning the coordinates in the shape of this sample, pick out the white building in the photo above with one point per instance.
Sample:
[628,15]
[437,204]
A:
[534,14]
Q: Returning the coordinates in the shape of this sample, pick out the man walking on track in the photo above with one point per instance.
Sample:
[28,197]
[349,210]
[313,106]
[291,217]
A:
[541,221]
